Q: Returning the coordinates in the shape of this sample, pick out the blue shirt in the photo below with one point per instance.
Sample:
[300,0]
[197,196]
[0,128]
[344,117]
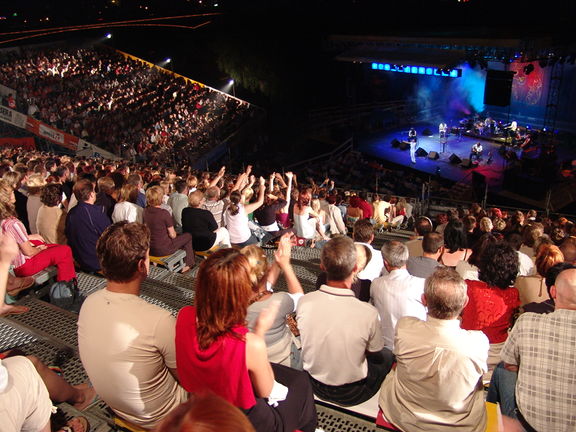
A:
[84,225]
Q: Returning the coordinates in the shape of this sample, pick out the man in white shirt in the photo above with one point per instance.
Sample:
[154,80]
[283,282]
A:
[178,201]
[436,385]
[364,234]
[398,293]
[342,346]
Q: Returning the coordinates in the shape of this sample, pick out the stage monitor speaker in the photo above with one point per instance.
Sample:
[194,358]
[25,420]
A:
[421,152]
[454,159]
[427,132]
[404,145]
[498,87]
[465,163]
[395,143]
[433,155]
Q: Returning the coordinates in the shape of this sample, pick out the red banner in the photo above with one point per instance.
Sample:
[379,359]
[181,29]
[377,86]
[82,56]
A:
[52,134]
[27,143]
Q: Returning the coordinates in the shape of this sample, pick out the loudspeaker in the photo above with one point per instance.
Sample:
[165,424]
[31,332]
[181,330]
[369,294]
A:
[498,87]
[454,159]
[404,145]
[433,155]
[421,152]
[465,163]
[395,143]
[427,132]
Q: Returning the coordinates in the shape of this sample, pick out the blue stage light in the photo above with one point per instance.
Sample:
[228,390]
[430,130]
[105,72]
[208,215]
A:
[417,70]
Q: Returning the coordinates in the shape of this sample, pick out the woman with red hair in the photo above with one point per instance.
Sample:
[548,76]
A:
[216,352]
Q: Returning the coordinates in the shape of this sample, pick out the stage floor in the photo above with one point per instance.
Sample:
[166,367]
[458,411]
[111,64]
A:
[380,145]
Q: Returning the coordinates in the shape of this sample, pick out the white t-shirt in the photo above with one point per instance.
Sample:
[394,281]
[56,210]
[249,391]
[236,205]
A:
[127,348]
[237,225]
[127,211]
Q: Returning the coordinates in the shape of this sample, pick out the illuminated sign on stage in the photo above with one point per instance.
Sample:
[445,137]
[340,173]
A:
[418,70]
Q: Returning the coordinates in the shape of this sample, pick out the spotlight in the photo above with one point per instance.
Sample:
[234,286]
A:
[528,69]
[231,82]
[108,35]
[167,60]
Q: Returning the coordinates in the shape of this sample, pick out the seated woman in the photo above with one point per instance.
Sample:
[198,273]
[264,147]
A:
[163,238]
[468,270]
[493,300]
[236,217]
[215,351]
[126,208]
[35,254]
[533,288]
[306,221]
[34,184]
[455,244]
[51,218]
[353,213]
[200,223]
[279,337]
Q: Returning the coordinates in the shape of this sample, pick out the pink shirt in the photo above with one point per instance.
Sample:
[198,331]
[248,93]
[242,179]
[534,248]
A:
[15,229]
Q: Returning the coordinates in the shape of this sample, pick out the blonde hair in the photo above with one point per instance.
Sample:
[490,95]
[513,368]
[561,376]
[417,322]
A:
[257,260]
[195,199]
[128,193]
[35,183]
[13,178]
[154,196]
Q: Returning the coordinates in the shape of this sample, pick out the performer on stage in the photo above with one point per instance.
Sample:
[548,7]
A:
[413,138]
[475,152]
[442,129]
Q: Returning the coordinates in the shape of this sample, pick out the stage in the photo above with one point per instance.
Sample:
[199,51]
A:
[380,145]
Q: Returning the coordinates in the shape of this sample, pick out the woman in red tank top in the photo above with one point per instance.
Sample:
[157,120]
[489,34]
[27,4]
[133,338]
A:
[215,351]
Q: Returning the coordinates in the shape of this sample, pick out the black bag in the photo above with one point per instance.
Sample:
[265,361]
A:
[65,295]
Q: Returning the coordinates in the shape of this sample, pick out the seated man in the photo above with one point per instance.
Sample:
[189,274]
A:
[398,293]
[422,226]
[84,224]
[540,348]
[436,385]
[432,248]
[342,346]
[126,344]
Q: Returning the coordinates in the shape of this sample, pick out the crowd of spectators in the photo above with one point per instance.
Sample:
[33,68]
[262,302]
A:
[443,306]
[119,103]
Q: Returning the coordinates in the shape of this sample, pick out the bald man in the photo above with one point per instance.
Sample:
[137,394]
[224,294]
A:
[542,349]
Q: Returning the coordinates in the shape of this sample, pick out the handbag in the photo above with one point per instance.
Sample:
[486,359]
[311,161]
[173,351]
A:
[65,295]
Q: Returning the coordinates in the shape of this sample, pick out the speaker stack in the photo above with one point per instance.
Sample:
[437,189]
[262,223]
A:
[433,155]
[421,152]
[454,159]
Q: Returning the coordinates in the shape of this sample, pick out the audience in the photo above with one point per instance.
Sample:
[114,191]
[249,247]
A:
[422,226]
[34,254]
[363,234]
[127,344]
[424,265]
[493,300]
[200,223]
[279,339]
[217,353]
[85,223]
[342,344]
[396,294]
[163,237]
[535,381]
[51,218]
[436,384]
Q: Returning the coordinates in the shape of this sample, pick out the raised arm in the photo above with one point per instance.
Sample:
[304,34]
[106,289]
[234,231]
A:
[282,257]
[249,208]
[216,179]
[288,192]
